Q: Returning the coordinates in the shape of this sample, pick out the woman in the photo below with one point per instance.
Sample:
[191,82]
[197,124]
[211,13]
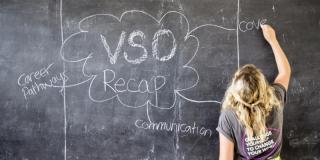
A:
[250,123]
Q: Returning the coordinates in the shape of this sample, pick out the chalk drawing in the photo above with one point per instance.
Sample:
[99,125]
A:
[121,81]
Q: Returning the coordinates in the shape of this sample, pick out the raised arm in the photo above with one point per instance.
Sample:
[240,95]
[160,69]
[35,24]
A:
[284,69]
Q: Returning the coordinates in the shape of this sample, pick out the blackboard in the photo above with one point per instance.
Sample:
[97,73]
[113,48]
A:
[93,79]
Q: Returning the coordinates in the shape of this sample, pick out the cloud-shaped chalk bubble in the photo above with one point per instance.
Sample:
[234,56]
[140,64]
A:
[135,58]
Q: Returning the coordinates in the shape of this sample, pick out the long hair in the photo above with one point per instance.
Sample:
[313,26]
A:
[251,96]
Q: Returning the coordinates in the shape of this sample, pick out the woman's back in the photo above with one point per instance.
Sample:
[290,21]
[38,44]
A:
[247,148]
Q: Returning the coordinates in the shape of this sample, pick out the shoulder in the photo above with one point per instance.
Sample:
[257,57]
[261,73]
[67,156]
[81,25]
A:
[280,92]
[229,116]
[228,112]
[225,124]
[278,86]
[229,125]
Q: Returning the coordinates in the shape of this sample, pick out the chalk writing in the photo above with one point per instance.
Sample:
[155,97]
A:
[113,57]
[155,82]
[174,127]
[121,85]
[250,25]
[32,83]
[24,79]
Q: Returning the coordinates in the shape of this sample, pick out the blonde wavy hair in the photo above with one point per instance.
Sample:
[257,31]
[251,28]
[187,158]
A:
[251,96]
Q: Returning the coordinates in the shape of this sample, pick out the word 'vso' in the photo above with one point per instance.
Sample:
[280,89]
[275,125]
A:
[139,34]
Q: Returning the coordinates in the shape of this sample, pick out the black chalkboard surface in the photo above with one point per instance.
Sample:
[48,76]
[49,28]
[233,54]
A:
[93,79]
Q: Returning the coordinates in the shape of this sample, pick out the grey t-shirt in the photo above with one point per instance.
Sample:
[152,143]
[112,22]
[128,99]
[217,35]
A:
[230,127]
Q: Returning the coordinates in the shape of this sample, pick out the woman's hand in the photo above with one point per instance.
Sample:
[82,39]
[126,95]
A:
[268,33]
